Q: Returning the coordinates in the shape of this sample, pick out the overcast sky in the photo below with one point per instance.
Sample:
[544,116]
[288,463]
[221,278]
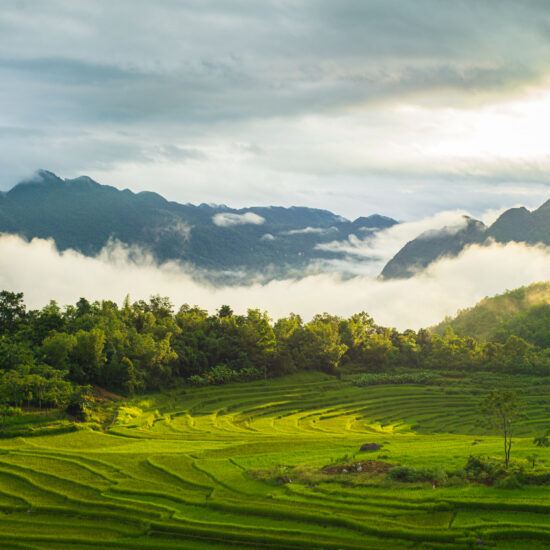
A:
[398,107]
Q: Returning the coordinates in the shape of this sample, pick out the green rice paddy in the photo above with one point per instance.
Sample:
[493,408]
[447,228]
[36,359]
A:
[177,471]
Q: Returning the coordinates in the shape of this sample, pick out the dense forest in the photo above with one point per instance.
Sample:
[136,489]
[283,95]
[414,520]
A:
[49,357]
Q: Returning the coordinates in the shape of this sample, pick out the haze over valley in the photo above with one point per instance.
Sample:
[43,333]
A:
[84,238]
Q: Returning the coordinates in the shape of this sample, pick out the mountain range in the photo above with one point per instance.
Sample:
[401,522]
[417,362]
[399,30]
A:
[84,215]
[233,245]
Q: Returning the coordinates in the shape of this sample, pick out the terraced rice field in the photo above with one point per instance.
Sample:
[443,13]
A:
[173,471]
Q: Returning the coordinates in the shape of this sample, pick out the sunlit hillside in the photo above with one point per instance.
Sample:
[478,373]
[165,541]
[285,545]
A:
[511,312]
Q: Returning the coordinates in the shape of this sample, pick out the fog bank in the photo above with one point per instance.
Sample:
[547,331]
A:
[39,270]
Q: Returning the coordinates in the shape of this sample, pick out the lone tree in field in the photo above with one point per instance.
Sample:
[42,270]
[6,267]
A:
[500,410]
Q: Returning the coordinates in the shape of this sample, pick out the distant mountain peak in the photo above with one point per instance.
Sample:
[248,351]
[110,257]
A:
[374,221]
[545,207]
[83,179]
[42,173]
[514,225]
[41,176]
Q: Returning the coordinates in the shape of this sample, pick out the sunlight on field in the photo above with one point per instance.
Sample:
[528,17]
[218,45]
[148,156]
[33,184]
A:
[176,471]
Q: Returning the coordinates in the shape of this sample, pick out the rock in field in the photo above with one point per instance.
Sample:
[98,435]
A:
[370,447]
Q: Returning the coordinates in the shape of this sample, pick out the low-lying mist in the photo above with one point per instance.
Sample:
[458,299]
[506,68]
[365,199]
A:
[368,254]
[39,270]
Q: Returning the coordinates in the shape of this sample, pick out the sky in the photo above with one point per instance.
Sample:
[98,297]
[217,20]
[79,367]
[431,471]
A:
[402,108]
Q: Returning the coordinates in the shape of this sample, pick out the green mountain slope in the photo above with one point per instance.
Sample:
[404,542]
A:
[524,312]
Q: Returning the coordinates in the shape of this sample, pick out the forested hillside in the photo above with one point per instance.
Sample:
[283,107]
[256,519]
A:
[523,312]
[49,357]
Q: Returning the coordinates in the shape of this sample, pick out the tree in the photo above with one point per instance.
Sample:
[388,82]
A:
[14,354]
[500,410]
[88,354]
[83,307]
[41,323]
[225,311]
[12,311]
[289,333]
[259,339]
[161,306]
[323,346]
[56,349]
[4,407]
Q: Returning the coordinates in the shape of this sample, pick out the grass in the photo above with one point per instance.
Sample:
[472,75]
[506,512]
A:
[180,471]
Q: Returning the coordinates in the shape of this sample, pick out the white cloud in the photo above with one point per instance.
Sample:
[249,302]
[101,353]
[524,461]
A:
[309,229]
[381,246]
[42,273]
[360,107]
[452,229]
[176,228]
[227,219]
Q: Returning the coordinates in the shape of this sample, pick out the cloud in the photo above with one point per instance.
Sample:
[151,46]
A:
[308,229]
[446,229]
[227,219]
[401,108]
[175,228]
[43,273]
[369,254]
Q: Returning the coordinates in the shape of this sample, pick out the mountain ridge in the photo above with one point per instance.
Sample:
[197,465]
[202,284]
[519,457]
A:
[514,225]
[85,215]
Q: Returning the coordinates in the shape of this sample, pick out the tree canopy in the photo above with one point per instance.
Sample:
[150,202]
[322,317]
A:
[46,354]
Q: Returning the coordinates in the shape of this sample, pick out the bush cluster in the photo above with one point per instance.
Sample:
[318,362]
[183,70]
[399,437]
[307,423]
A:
[222,374]
[373,379]
[484,470]
[407,474]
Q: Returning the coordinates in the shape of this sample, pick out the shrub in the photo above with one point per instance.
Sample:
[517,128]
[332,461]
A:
[542,441]
[484,471]
[128,414]
[402,473]
[373,379]
[541,477]
[249,373]
[509,482]
[222,374]
[79,405]
[409,475]
[95,426]
[197,380]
